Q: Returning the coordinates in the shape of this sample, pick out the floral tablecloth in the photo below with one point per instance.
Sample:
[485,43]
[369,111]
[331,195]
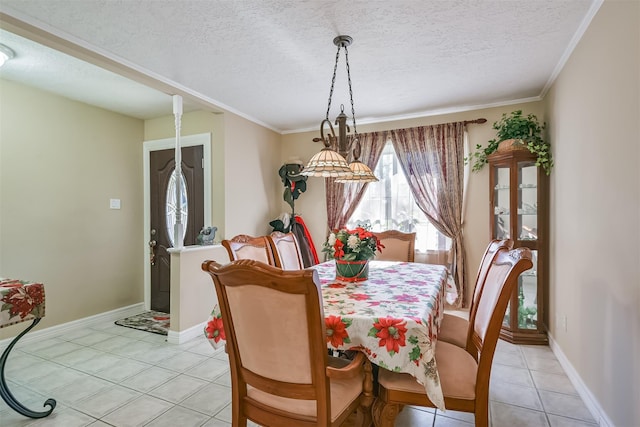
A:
[393,317]
[20,301]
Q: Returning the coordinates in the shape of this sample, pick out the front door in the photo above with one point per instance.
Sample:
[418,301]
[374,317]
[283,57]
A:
[162,219]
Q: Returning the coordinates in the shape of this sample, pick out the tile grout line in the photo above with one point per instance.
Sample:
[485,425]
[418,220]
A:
[535,386]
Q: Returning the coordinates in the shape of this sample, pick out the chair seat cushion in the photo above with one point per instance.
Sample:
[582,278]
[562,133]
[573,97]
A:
[456,368]
[343,393]
[453,330]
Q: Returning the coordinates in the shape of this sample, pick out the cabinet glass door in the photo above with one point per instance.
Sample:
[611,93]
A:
[527,201]
[501,203]
[528,296]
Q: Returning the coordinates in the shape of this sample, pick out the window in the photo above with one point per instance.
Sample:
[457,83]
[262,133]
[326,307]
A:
[388,204]
[170,208]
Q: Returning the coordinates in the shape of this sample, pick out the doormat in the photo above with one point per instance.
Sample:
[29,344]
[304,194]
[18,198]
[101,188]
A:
[149,321]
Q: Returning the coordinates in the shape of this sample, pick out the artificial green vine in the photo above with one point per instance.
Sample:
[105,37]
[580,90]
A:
[516,126]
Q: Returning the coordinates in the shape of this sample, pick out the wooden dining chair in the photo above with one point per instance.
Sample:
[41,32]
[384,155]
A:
[243,246]
[286,250]
[398,246]
[455,329]
[268,386]
[464,373]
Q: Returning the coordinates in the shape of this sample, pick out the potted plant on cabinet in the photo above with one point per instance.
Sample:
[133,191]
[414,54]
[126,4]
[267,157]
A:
[515,131]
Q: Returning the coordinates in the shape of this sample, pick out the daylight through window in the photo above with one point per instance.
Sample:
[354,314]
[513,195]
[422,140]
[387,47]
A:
[389,205]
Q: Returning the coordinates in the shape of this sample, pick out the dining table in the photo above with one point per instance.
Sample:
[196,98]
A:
[393,317]
[20,301]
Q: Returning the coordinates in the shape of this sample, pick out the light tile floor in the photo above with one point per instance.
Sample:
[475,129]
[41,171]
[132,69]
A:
[110,375]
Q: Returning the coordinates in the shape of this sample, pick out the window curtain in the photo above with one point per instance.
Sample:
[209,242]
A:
[432,158]
[343,198]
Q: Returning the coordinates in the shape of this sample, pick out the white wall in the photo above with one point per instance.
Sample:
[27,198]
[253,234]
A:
[60,163]
[253,189]
[594,112]
[193,294]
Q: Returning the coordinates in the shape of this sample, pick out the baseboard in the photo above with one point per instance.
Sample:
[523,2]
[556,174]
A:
[588,398]
[109,316]
[174,337]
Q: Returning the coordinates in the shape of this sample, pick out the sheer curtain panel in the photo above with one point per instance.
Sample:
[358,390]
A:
[432,158]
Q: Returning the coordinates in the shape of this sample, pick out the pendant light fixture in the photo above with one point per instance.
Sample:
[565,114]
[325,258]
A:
[330,161]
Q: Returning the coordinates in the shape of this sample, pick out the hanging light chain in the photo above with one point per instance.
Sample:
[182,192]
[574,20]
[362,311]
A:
[353,111]
[333,80]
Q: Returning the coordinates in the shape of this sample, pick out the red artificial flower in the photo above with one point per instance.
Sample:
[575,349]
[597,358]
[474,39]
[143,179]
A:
[336,331]
[379,245]
[215,330]
[391,333]
[362,233]
[339,253]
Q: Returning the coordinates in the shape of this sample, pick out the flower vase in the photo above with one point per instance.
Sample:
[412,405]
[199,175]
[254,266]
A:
[352,271]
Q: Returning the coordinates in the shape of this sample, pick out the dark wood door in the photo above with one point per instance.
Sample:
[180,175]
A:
[162,167]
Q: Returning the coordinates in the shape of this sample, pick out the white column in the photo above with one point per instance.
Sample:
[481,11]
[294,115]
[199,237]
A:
[179,226]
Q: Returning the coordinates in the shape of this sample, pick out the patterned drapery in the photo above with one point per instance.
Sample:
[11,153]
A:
[432,158]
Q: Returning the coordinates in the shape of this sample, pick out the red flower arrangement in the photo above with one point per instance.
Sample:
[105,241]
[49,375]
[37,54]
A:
[358,244]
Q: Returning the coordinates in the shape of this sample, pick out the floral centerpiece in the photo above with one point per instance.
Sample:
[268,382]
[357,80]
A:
[352,250]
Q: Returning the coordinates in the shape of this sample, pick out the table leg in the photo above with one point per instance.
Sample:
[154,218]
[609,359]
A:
[4,390]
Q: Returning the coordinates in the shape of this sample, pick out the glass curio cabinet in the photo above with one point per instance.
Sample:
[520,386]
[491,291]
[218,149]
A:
[519,194]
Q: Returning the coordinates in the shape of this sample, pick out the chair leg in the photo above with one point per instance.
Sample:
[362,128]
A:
[384,414]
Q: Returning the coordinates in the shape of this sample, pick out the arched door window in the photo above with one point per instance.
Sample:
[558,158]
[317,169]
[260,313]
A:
[172,203]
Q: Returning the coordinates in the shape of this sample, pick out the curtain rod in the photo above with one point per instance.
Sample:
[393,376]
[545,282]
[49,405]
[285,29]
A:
[478,121]
[465,122]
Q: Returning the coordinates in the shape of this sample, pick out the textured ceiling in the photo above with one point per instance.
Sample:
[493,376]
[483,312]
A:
[271,61]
